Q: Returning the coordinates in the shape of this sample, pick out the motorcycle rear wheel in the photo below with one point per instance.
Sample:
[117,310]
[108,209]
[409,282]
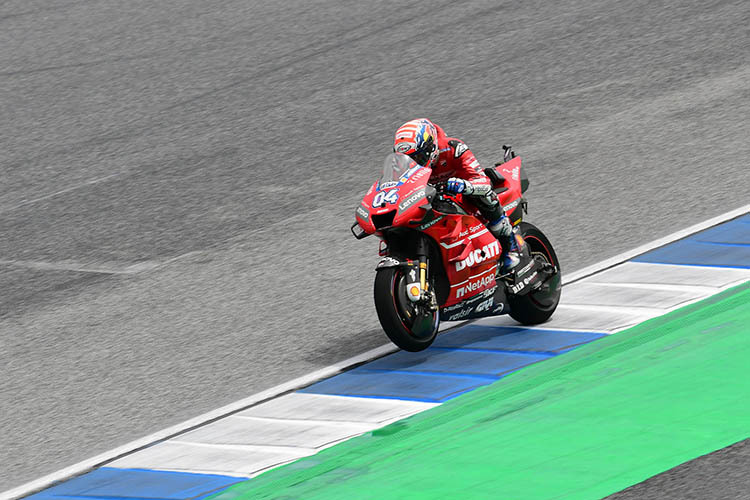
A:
[402,322]
[537,306]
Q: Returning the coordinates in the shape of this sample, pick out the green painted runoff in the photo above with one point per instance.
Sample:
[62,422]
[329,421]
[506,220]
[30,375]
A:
[582,425]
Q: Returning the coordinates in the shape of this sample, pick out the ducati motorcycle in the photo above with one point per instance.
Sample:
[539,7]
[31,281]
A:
[439,261]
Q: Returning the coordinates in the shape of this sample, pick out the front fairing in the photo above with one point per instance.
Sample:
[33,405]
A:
[399,197]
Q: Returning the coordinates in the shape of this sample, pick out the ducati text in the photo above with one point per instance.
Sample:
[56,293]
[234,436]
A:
[489,251]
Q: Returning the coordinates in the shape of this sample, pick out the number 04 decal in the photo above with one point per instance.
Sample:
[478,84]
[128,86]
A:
[383,197]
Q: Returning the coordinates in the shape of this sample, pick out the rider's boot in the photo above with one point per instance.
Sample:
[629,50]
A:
[502,229]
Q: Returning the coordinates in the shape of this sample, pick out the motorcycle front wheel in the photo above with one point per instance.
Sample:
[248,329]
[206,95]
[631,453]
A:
[537,306]
[410,327]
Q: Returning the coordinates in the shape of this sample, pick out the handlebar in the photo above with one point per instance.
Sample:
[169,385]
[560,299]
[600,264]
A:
[440,187]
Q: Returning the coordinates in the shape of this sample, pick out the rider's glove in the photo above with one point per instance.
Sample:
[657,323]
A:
[456,185]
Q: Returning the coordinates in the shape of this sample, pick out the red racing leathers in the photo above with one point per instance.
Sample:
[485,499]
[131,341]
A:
[456,160]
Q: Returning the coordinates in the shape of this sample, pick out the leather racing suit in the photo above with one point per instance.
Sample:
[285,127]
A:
[455,159]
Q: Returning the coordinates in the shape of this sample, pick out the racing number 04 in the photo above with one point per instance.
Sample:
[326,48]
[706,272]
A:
[383,197]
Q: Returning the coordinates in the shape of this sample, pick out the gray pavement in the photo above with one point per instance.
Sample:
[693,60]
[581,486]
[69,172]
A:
[178,178]
[721,475]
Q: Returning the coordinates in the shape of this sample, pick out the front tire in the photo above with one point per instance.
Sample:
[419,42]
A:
[407,327]
[537,307]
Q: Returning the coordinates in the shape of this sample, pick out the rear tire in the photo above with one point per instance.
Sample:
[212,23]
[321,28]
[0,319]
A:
[537,306]
[399,318]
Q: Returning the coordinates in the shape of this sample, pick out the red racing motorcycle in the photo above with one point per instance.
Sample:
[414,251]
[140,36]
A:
[439,261]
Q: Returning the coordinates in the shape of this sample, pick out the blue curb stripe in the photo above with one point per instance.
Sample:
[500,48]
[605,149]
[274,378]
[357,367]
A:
[108,483]
[546,354]
[726,245]
[456,361]
[499,338]
[413,386]
[432,374]
[462,360]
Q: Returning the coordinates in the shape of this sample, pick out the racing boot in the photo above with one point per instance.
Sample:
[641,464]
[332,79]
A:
[502,229]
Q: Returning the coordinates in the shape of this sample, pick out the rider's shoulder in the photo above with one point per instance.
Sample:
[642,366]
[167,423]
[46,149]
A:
[457,147]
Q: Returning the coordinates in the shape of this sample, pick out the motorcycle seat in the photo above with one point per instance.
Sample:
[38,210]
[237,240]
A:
[497,180]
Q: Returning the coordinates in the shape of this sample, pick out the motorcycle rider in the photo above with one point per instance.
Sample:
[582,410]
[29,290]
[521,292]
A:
[452,162]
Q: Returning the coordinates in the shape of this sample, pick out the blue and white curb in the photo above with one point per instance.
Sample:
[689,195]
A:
[300,418]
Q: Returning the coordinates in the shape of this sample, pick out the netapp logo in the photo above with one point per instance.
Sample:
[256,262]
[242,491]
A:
[475,285]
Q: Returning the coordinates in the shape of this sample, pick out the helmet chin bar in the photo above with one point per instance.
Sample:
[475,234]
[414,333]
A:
[425,156]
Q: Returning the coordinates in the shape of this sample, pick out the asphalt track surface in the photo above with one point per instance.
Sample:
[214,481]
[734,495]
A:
[721,475]
[178,178]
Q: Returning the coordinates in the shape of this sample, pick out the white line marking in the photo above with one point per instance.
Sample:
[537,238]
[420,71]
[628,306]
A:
[62,191]
[106,457]
[658,286]
[76,267]
[545,327]
[138,267]
[634,310]
[324,423]
[475,235]
[452,245]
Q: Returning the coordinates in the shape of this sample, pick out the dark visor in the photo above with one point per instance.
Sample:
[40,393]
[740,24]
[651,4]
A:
[423,155]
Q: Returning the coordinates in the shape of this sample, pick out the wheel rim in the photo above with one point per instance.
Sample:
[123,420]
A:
[548,295]
[419,326]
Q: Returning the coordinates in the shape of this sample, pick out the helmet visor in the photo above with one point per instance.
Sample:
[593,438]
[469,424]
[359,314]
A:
[421,157]
[423,154]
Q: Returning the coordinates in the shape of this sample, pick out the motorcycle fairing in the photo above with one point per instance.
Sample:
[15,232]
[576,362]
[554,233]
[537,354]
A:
[401,197]
[469,253]
[510,190]
[398,197]
[489,302]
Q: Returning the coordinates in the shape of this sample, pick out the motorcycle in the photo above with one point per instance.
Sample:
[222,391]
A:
[439,260]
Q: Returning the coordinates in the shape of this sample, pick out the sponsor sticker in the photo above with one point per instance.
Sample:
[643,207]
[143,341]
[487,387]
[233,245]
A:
[484,306]
[461,148]
[431,223]
[362,213]
[521,284]
[479,255]
[418,195]
[466,308]
[470,302]
[512,205]
[475,285]
[388,262]
[409,173]
[525,269]
[420,173]
[459,315]
[499,309]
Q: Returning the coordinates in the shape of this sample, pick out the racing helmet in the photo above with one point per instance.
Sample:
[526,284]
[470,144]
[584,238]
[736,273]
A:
[417,139]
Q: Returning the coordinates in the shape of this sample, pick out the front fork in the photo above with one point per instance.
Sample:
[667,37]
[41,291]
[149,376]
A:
[418,282]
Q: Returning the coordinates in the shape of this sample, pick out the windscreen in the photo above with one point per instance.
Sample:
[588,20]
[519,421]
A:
[396,169]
